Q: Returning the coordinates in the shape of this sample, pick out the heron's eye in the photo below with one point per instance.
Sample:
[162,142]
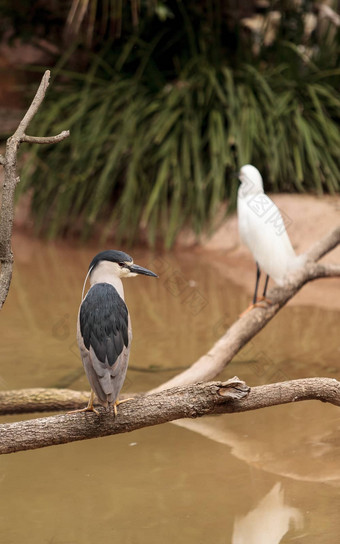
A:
[121,264]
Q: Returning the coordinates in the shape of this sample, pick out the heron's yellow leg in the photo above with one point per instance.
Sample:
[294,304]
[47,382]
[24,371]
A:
[88,408]
[118,402]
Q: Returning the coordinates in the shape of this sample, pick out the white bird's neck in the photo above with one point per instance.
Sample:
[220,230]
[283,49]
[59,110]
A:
[249,189]
[251,182]
[105,273]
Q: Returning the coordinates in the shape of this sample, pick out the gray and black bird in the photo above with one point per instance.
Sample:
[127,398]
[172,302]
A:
[104,331]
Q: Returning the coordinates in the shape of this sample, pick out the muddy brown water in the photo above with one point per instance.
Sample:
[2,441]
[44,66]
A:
[262,477]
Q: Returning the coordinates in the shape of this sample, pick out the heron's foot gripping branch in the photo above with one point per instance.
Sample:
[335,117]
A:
[118,402]
[84,410]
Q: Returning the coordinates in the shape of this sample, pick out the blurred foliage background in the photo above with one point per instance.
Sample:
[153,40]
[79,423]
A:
[166,99]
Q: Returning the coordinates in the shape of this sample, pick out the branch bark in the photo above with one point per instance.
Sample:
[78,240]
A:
[9,162]
[181,402]
[27,401]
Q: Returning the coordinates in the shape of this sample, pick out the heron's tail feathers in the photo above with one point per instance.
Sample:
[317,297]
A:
[107,380]
[107,385]
[99,378]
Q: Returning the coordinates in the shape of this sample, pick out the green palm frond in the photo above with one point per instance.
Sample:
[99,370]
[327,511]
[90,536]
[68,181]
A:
[159,121]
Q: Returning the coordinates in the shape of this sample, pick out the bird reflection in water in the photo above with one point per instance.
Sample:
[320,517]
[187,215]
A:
[269,521]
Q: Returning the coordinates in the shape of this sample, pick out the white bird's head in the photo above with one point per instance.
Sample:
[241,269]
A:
[251,180]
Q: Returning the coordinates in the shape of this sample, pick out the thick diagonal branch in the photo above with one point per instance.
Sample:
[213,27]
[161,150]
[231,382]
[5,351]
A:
[246,327]
[9,163]
[182,402]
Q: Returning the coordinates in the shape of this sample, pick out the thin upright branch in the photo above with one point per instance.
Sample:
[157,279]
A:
[11,179]
[35,105]
[182,402]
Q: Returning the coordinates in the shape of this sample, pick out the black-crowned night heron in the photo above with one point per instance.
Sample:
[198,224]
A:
[262,229]
[104,327]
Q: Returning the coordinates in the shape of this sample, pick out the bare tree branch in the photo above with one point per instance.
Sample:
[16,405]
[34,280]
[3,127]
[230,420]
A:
[324,246]
[35,105]
[46,139]
[182,402]
[246,327]
[26,401]
[9,162]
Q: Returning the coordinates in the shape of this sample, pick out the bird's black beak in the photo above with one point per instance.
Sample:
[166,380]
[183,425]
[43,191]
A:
[140,270]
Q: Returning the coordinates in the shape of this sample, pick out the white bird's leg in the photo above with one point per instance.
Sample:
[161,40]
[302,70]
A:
[258,274]
[265,288]
[257,303]
[253,304]
[264,298]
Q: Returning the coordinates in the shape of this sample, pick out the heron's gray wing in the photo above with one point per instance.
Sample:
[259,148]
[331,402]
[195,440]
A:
[104,340]
[104,322]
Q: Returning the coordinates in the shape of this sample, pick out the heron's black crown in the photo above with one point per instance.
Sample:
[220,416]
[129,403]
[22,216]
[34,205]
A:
[110,255]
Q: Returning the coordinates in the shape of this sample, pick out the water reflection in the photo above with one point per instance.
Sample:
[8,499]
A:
[173,485]
[300,441]
[269,521]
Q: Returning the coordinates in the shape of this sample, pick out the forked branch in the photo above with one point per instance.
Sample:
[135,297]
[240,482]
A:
[9,163]
[246,327]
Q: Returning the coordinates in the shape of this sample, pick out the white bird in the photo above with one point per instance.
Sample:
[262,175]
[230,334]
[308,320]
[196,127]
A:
[263,231]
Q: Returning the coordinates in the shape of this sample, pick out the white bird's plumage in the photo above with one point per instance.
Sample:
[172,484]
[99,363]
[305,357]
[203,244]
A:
[262,229]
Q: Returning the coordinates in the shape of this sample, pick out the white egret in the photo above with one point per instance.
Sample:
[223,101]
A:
[263,231]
